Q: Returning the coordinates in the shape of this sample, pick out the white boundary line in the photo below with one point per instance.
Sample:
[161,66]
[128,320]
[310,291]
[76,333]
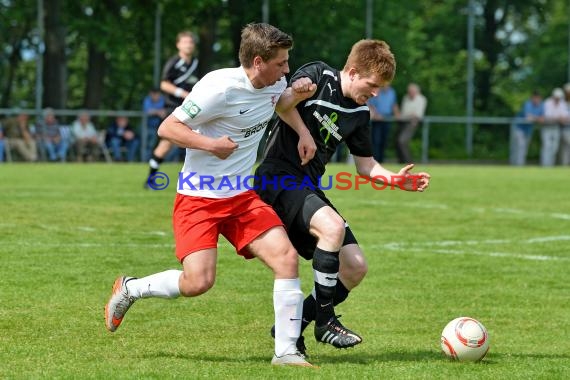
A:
[436,247]
[499,210]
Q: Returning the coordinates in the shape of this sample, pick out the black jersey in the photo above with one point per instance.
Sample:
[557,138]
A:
[181,74]
[330,117]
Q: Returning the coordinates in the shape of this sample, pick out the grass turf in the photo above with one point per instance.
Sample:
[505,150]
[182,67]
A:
[488,242]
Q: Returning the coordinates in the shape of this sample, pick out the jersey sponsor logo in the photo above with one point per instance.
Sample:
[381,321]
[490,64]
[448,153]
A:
[328,126]
[191,108]
[256,128]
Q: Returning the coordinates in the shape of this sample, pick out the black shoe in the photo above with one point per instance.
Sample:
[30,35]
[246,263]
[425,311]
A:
[300,343]
[336,334]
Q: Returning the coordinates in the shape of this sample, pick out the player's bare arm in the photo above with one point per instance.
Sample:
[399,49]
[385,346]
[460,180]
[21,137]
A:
[301,89]
[171,88]
[368,167]
[180,134]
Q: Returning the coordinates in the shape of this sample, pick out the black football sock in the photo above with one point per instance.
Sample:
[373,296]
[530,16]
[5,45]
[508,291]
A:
[341,293]
[310,304]
[309,311]
[325,270]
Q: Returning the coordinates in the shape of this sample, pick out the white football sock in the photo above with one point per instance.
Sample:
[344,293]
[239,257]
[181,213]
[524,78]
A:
[153,163]
[288,305]
[163,285]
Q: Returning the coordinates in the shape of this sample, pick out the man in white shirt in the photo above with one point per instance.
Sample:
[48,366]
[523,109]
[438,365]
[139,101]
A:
[413,109]
[85,137]
[221,123]
[556,114]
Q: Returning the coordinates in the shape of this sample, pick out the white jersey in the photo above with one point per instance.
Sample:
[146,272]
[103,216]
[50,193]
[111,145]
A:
[224,103]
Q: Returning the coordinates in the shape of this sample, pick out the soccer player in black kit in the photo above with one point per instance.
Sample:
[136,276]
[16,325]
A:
[179,75]
[336,112]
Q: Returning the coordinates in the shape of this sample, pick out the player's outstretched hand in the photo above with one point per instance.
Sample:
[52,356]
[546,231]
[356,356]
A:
[306,148]
[303,88]
[414,182]
[223,147]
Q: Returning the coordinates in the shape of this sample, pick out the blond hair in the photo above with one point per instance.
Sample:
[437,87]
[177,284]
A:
[371,57]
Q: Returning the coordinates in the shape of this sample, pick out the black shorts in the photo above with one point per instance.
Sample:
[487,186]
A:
[296,208]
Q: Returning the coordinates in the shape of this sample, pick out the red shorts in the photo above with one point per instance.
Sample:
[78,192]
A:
[199,221]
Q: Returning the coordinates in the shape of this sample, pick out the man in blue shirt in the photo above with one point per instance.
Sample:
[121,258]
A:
[533,111]
[382,107]
[155,110]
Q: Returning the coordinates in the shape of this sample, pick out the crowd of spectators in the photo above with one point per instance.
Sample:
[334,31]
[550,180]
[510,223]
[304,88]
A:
[84,139]
[551,117]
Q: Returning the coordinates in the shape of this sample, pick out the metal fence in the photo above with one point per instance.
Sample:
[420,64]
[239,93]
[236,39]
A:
[67,113]
[429,125]
[429,122]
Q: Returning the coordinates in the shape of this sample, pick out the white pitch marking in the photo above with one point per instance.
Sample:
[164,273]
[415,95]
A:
[85,228]
[447,243]
[499,210]
[489,254]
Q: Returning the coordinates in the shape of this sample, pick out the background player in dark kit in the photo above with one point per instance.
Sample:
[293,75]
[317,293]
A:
[179,75]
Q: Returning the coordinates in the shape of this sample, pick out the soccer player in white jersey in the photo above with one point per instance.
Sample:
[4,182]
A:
[221,123]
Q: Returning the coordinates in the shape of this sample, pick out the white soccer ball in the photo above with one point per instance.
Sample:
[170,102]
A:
[465,339]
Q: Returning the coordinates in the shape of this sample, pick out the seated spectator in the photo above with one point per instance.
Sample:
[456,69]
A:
[153,107]
[55,145]
[86,138]
[18,137]
[120,135]
[533,112]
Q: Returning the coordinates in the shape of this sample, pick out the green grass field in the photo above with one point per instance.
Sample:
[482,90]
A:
[488,242]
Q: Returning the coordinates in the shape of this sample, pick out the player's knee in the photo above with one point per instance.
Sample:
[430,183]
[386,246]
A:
[195,286]
[287,264]
[335,230]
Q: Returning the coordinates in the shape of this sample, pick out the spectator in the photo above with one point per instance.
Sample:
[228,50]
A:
[556,114]
[86,138]
[565,133]
[383,107]
[53,142]
[18,136]
[155,111]
[121,136]
[533,112]
[1,145]
[413,110]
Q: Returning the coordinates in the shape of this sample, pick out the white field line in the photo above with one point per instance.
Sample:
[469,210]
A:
[93,229]
[500,210]
[447,243]
[437,247]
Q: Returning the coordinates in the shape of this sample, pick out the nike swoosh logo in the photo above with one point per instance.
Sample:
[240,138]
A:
[294,319]
[241,112]
[331,278]
[325,304]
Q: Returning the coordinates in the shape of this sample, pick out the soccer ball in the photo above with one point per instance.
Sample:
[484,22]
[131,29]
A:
[465,339]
